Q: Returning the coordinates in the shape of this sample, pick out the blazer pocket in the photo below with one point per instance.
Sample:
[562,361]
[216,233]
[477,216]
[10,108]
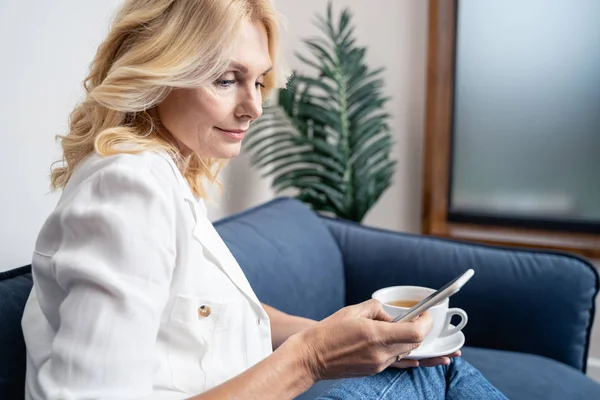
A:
[193,322]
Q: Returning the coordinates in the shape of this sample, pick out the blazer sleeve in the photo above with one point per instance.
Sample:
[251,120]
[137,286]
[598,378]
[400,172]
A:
[113,266]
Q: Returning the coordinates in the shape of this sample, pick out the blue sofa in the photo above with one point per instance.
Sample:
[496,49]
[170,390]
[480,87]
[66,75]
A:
[530,312]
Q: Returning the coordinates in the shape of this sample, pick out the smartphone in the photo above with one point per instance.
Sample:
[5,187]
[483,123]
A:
[442,294]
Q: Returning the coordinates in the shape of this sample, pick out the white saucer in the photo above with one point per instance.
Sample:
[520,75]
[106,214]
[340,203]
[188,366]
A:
[439,347]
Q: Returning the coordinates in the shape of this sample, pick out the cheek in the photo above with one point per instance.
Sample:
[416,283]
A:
[176,112]
[185,113]
[213,109]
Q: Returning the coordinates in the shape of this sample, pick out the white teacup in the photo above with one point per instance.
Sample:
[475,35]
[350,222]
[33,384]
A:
[440,313]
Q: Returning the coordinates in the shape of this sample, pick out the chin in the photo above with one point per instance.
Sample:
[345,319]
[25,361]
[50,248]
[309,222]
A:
[229,151]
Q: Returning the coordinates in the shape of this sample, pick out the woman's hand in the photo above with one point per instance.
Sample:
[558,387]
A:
[359,340]
[426,362]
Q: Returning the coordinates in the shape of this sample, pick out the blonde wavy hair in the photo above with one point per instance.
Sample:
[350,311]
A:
[153,47]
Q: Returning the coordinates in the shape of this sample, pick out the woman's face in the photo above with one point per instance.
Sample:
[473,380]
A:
[211,121]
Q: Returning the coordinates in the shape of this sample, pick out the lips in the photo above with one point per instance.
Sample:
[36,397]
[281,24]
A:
[233,130]
[237,134]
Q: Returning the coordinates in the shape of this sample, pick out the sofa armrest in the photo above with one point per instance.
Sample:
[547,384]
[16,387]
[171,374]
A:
[537,302]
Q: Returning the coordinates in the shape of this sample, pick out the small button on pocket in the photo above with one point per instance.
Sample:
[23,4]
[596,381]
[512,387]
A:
[203,311]
[197,313]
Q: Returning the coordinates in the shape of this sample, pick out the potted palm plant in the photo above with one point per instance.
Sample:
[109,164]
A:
[327,135]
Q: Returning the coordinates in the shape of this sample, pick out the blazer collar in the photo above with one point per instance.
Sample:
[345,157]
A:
[211,241]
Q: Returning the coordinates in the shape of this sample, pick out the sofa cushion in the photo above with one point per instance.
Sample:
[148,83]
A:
[523,376]
[15,286]
[289,256]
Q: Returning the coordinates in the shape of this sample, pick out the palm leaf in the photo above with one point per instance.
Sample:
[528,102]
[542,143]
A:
[318,83]
[320,52]
[371,164]
[285,160]
[371,148]
[307,174]
[264,144]
[366,87]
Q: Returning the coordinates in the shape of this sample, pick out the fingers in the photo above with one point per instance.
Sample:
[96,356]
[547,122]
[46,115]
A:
[434,362]
[426,362]
[422,325]
[403,364]
[424,319]
[406,332]
[373,309]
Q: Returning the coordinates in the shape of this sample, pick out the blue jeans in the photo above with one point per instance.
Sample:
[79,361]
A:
[459,380]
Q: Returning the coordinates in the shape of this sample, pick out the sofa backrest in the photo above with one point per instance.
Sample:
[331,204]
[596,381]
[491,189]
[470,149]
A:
[15,286]
[289,256]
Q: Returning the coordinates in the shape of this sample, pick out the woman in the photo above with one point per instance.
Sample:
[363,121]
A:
[135,294]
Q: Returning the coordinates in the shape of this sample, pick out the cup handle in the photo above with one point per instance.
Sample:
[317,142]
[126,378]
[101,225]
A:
[449,330]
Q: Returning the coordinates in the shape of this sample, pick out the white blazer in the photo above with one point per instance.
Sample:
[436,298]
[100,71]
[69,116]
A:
[135,294]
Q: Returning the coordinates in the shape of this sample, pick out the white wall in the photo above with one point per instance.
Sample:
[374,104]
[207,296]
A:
[46,49]
[48,45]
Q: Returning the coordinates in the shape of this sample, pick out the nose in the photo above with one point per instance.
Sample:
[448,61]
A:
[250,104]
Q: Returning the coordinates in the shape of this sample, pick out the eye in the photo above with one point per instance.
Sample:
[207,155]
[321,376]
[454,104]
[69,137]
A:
[225,82]
[260,84]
